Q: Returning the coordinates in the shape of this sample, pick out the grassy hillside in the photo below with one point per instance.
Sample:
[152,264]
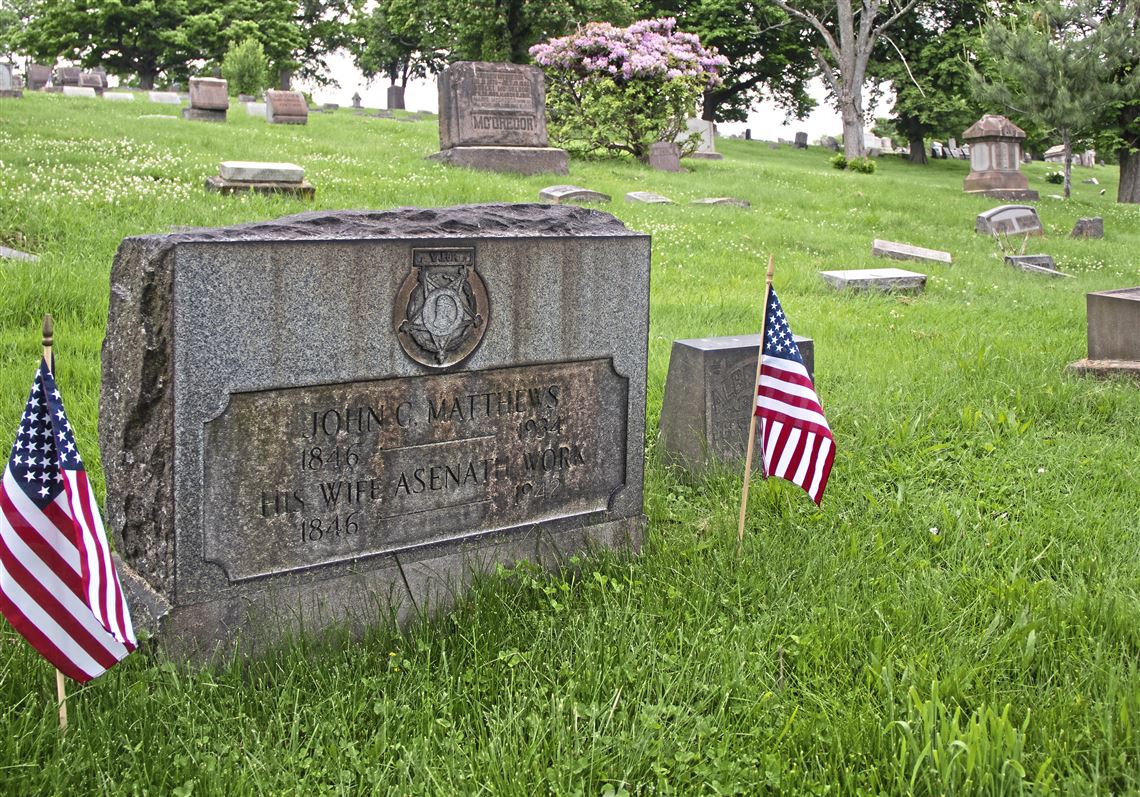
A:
[961,617]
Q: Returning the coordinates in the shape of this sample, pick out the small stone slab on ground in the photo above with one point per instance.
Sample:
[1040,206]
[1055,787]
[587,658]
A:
[260,172]
[164,97]
[79,91]
[15,254]
[899,251]
[303,189]
[255,109]
[559,194]
[157,116]
[118,96]
[1089,228]
[1010,220]
[648,198]
[1104,369]
[889,280]
[1035,264]
[722,200]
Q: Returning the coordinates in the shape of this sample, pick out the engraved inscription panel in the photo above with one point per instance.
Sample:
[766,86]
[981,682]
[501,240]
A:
[301,477]
[486,104]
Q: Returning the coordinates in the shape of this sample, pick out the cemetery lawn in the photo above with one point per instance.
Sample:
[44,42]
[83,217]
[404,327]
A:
[961,617]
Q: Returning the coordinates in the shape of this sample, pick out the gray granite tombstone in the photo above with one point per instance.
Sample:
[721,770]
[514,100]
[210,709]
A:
[395,98]
[286,108]
[1009,220]
[209,100]
[708,395]
[493,116]
[801,141]
[38,76]
[830,143]
[706,147]
[356,100]
[67,76]
[559,194]
[341,417]
[8,87]
[1113,334]
[1089,228]
[92,80]
[664,156]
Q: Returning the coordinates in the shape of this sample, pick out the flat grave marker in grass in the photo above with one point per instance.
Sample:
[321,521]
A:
[164,97]
[898,251]
[79,91]
[493,116]
[571,193]
[722,200]
[708,395]
[1035,264]
[888,280]
[317,419]
[648,198]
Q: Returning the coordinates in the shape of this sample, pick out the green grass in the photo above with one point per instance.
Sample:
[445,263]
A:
[962,617]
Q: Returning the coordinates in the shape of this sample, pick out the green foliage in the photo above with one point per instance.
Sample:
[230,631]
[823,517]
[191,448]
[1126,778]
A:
[976,549]
[1057,178]
[838,160]
[245,67]
[396,39]
[862,165]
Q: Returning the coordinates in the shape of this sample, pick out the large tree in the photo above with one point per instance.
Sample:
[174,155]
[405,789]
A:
[1119,124]
[845,37]
[1051,68]
[767,52]
[924,58]
[505,30]
[324,29]
[396,39]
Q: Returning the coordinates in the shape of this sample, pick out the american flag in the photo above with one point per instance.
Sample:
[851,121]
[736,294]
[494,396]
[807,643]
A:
[797,441]
[58,585]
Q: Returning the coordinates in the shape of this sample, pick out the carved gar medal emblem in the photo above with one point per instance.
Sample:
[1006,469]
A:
[441,308]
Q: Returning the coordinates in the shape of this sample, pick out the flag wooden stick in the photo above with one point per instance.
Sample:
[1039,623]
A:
[755,390]
[60,684]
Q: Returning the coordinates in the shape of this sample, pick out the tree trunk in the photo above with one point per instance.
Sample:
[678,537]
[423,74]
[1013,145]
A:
[709,102]
[1129,189]
[146,80]
[852,129]
[917,151]
[1067,141]
[285,79]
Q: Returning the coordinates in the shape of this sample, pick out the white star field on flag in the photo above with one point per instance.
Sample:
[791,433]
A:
[45,442]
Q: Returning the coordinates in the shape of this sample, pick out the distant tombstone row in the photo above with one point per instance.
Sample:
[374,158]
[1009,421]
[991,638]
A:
[492,116]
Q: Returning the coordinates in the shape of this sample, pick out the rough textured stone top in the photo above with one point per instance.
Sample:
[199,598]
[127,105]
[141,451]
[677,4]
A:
[462,221]
[991,126]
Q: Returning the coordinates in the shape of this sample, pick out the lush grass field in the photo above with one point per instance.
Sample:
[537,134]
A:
[962,617]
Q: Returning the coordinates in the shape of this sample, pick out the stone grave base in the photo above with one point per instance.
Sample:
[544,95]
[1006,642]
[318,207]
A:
[1105,369]
[11,94]
[1009,194]
[519,160]
[705,156]
[278,119]
[303,189]
[202,115]
[708,394]
[887,280]
[398,588]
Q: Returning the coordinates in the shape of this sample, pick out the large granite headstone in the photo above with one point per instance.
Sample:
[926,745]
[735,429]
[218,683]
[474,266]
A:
[38,76]
[286,108]
[209,100]
[1113,334]
[8,87]
[493,116]
[332,416]
[995,159]
[708,395]
[801,140]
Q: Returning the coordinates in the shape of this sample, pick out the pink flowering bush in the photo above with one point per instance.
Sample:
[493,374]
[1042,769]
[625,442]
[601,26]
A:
[614,89]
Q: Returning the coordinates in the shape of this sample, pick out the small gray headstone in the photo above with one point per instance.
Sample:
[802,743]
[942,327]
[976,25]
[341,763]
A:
[255,109]
[209,94]
[664,156]
[15,254]
[722,200]
[297,432]
[1113,334]
[830,143]
[257,171]
[164,97]
[648,198]
[890,280]
[91,80]
[68,76]
[1091,181]
[38,76]
[559,194]
[286,108]
[1009,220]
[897,251]
[708,394]
[7,81]
[79,91]
[1089,228]
[1035,264]
[801,140]
[356,99]
[118,96]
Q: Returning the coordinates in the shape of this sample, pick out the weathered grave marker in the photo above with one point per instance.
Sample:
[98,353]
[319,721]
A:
[286,108]
[493,116]
[706,148]
[801,140]
[119,96]
[888,280]
[164,97]
[708,395]
[79,91]
[1089,228]
[262,178]
[8,86]
[898,251]
[256,109]
[38,76]
[995,159]
[665,156]
[319,419]
[648,198]
[1113,334]
[1035,264]
[67,76]
[1009,220]
[15,254]
[722,200]
[209,100]
[559,194]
